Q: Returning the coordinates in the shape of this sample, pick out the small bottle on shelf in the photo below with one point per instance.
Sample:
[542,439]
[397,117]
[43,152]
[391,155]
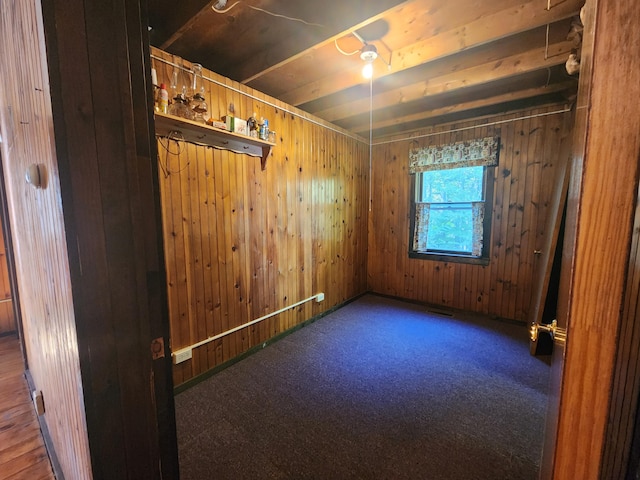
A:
[163,99]
[264,129]
[252,126]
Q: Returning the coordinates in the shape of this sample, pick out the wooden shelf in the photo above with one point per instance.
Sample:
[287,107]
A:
[200,134]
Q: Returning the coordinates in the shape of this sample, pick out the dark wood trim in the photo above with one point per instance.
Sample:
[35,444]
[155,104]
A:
[11,263]
[633,469]
[600,209]
[99,68]
[154,248]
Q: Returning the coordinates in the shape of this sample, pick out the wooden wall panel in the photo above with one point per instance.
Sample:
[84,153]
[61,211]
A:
[530,143]
[38,233]
[626,381]
[7,320]
[242,243]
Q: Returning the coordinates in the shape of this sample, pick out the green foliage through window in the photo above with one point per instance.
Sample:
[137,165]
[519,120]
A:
[448,200]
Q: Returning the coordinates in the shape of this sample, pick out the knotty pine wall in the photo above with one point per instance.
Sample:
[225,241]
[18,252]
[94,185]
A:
[241,243]
[38,231]
[528,157]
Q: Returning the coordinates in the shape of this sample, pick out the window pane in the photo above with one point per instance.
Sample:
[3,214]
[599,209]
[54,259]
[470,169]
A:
[450,228]
[453,185]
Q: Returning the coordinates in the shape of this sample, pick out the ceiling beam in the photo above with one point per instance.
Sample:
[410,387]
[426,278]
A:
[488,28]
[470,77]
[186,24]
[336,15]
[466,106]
[309,51]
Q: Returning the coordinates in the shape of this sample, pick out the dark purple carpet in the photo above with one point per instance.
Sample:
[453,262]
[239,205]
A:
[379,389]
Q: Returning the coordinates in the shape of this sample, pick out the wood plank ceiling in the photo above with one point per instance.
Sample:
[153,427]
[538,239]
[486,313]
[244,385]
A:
[438,60]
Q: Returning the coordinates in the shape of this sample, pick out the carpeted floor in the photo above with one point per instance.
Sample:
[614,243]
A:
[379,389]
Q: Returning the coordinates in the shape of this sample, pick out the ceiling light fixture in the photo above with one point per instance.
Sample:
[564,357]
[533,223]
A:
[368,54]
[220,4]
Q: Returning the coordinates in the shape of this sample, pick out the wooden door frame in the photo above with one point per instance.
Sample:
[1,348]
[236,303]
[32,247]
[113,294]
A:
[601,204]
[106,153]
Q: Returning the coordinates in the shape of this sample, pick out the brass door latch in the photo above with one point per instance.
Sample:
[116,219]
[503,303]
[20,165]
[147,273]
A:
[558,334]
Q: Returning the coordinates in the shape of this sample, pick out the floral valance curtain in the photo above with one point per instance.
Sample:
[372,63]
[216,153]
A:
[478,152]
[421,227]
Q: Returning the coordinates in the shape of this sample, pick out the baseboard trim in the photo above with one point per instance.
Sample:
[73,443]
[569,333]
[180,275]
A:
[217,369]
[448,311]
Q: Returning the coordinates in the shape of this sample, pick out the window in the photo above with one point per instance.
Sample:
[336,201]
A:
[451,206]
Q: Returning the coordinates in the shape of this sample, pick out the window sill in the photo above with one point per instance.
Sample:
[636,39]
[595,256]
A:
[442,257]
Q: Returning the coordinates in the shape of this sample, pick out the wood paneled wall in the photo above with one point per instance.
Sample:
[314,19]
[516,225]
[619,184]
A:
[242,243]
[523,180]
[7,320]
[626,381]
[38,232]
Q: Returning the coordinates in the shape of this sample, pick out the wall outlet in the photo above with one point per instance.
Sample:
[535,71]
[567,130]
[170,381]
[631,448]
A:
[320,297]
[182,355]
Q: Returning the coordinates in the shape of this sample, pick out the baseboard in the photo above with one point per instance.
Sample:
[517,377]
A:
[448,311]
[48,442]
[217,369]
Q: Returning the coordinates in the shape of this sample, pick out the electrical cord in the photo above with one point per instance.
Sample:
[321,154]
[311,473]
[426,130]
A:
[342,51]
[176,137]
[221,3]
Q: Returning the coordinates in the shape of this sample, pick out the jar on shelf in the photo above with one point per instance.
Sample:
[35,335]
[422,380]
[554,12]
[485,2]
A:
[198,106]
[180,108]
[195,95]
[177,85]
[197,82]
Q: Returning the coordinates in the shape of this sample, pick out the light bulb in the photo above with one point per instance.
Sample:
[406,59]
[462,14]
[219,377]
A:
[367,70]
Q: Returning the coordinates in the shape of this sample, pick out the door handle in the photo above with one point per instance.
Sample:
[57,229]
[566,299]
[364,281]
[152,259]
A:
[559,335]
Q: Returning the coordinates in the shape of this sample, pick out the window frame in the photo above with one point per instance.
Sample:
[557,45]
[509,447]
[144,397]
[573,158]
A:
[488,182]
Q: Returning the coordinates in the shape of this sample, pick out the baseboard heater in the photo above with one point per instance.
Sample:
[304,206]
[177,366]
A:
[186,353]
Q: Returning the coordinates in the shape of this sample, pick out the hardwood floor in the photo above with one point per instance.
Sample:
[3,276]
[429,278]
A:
[22,451]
